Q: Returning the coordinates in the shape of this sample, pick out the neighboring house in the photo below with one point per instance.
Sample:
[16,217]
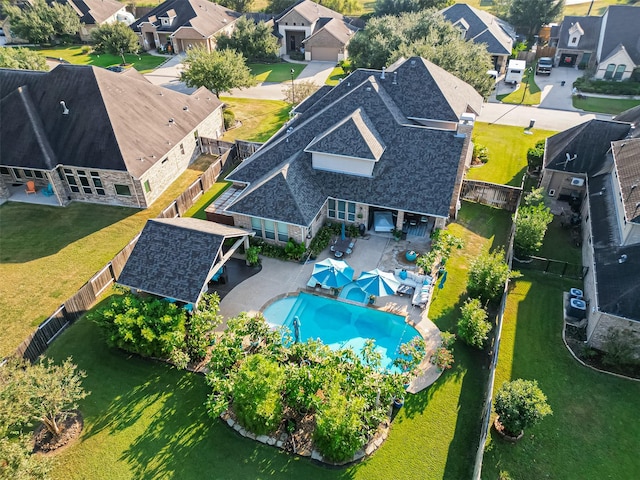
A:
[99,136]
[183,24]
[176,257]
[319,32]
[391,145]
[598,162]
[611,43]
[479,26]
[94,13]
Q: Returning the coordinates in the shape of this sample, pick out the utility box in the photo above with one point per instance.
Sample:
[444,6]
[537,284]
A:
[515,70]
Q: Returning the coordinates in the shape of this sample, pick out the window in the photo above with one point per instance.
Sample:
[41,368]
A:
[4,171]
[256,226]
[38,174]
[342,210]
[147,186]
[574,40]
[283,232]
[332,208]
[71,180]
[97,183]
[269,229]
[182,148]
[28,173]
[608,74]
[123,190]
[619,71]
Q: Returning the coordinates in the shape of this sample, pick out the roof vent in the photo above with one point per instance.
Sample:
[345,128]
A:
[382,74]
[65,110]
[395,78]
[413,63]
[171,121]
[623,258]
[368,89]
[186,108]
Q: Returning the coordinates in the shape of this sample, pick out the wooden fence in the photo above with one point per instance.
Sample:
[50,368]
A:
[492,194]
[87,296]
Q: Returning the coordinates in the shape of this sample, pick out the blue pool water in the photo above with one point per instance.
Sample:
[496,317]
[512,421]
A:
[339,324]
[354,293]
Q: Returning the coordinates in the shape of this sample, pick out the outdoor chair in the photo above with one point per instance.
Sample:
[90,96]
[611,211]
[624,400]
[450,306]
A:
[31,187]
[47,192]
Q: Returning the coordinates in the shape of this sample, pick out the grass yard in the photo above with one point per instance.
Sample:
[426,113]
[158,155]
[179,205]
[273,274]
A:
[507,152]
[335,76]
[528,94]
[197,210]
[260,118]
[591,432]
[558,244]
[47,253]
[599,6]
[604,105]
[275,72]
[146,420]
[143,62]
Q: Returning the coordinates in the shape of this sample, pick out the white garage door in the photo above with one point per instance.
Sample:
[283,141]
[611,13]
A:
[325,54]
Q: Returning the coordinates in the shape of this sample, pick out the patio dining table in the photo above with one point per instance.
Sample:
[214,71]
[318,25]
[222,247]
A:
[339,246]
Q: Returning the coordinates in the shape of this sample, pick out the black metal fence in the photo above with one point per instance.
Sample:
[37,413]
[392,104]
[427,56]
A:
[552,267]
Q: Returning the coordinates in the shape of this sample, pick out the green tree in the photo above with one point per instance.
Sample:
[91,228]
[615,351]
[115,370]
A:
[535,156]
[17,462]
[22,59]
[500,8]
[218,71]
[531,226]
[253,40]
[237,5]
[201,325]
[520,404]
[278,6]
[38,22]
[297,92]
[115,38]
[42,392]
[394,7]
[473,326]
[427,34]
[487,276]
[530,15]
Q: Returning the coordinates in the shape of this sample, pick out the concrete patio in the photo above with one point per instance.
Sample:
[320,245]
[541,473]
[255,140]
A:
[278,279]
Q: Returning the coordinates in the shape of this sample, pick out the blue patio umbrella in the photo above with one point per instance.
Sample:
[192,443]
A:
[332,273]
[343,234]
[442,280]
[379,283]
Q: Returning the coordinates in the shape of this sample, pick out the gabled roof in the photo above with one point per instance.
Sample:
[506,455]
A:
[283,185]
[311,11]
[585,144]
[107,113]
[335,27]
[622,27]
[354,136]
[205,17]
[94,12]
[173,257]
[482,27]
[626,157]
[589,41]
[631,116]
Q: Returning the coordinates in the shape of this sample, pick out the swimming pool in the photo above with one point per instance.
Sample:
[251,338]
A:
[339,324]
[354,293]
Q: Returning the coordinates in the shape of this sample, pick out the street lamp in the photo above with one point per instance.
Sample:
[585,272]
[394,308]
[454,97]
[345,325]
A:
[293,88]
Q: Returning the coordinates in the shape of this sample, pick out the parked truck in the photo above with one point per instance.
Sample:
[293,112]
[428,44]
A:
[545,64]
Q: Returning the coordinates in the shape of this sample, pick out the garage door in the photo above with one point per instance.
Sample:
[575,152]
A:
[325,54]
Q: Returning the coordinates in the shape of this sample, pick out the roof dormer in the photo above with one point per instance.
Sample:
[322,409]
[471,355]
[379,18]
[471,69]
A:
[167,19]
[575,33]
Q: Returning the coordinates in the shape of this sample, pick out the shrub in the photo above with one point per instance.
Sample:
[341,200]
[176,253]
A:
[229,118]
[294,250]
[442,242]
[520,404]
[531,226]
[253,258]
[625,87]
[442,358]
[473,326]
[201,325]
[257,398]
[535,156]
[447,339]
[487,276]
[480,153]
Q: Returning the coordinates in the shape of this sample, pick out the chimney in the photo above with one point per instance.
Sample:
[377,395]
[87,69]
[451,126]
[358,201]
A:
[382,74]
[65,110]
[465,125]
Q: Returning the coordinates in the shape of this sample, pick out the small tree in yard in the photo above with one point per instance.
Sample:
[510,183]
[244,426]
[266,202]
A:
[22,59]
[218,71]
[487,276]
[253,40]
[531,226]
[116,39]
[17,462]
[473,326]
[535,156]
[297,92]
[520,404]
[42,392]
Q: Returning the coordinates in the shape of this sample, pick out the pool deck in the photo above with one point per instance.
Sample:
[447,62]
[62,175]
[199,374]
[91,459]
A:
[278,279]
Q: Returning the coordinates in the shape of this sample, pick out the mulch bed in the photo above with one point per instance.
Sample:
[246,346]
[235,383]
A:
[45,442]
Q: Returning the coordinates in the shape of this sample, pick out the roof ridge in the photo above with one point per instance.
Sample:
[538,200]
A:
[36,123]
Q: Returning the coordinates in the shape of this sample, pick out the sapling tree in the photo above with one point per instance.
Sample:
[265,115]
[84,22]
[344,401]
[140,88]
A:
[520,404]
[473,326]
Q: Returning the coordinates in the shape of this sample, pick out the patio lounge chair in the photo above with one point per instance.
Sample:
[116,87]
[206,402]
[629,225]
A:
[31,187]
[48,192]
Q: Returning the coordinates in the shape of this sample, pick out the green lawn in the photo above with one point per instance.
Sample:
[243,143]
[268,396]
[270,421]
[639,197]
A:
[260,118]
[143,62]
[275,72]
[599,6]
[507,152]
[47,253]
[592,429]
[197,210]
[528,94]
[604,105]
[335,76]
[558,244]
[146,420]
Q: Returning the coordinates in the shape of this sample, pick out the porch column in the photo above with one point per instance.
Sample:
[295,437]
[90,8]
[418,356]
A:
[4,190]
[58,187]
[246,243]
[400,220]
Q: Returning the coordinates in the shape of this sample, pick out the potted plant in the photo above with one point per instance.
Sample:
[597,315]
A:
[519,404]
[397,234]
[253,259]
[372,299]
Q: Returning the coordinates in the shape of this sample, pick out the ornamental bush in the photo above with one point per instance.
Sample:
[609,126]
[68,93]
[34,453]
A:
[520,404]
[487,276]
[531,226]
[535,156]
[473,326]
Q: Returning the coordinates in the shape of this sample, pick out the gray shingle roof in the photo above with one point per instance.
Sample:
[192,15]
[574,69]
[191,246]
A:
[107,113]
[626,155]
[354,136]
[622,27]
[482,27]
[589,141]
[589,41]
[416,172]
[173,257]
[632,116]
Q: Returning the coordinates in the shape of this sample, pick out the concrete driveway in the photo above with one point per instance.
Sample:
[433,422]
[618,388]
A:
[554,94]
[168,75]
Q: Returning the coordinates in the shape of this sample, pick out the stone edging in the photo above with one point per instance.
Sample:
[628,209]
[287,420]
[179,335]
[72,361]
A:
[373,444]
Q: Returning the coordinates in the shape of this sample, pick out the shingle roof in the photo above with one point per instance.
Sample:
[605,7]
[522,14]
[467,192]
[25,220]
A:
[416,172]
[94,12]
[312,11]
[113,121]
[588,142]
[589,41]
[482,27]
[204,16]
[354,136]
[626,155]
[622,27]
[632,116]
[173,257]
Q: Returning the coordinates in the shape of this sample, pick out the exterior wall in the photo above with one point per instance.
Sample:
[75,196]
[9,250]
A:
[501,63]
[620,58]
[463,165]
[323,39]
[353,166]
[294,21]
[559,183]
[293,231]
[109,179]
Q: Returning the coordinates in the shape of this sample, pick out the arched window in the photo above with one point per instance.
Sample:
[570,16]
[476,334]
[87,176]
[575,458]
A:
[608,75]
[620,71]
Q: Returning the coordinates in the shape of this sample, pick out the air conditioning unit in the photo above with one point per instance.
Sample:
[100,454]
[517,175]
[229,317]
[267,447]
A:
[577,182]
[552,193]
[576,293]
